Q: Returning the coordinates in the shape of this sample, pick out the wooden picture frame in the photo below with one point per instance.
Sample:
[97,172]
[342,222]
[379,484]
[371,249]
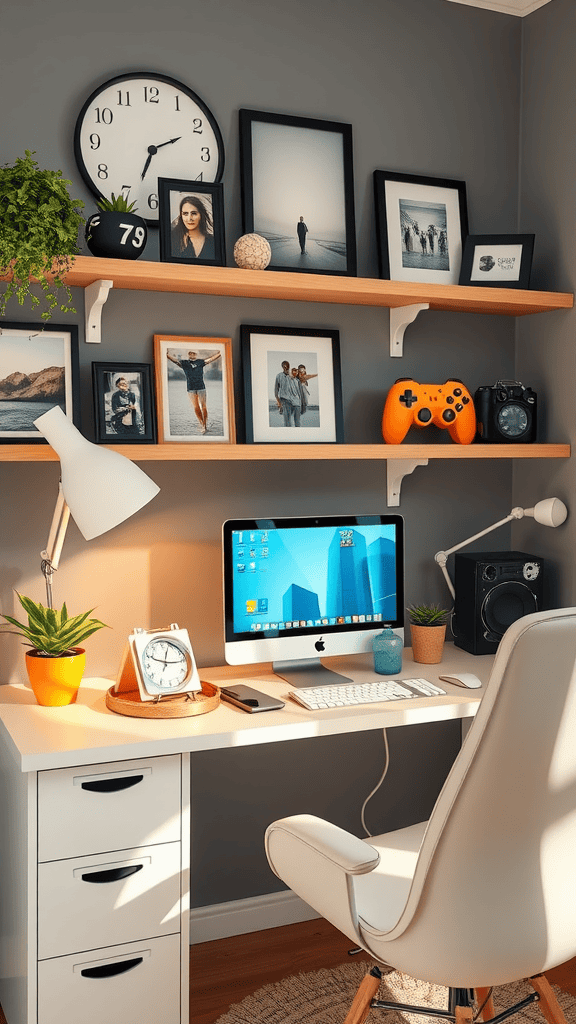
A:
[124,409]
[294,171]
[38,370]
[497,261]
[272,413]
[187,412]
[177,196]
[421,224]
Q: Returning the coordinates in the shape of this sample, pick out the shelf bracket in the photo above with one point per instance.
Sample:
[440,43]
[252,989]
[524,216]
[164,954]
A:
[95,296]
[396,470]
[400,318]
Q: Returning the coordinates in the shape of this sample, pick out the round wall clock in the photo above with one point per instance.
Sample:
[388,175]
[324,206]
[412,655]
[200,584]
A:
[141,126]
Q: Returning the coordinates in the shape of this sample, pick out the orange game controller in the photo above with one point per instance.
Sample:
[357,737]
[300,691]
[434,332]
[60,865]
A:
[448,405]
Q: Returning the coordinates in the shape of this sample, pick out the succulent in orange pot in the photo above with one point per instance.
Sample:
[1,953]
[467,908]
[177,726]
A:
[55,662]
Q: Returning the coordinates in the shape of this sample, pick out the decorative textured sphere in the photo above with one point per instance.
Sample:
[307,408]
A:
[252,252]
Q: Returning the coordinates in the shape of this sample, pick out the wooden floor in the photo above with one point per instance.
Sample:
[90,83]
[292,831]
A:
[224,971]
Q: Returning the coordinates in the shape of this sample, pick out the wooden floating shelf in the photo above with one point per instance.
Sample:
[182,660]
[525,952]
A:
[202,452]
[143,275]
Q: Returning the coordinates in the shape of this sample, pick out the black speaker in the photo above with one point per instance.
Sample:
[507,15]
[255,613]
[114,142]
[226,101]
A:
[493,589]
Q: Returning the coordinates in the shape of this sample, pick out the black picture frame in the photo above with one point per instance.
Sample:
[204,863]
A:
[38,370]
[401,202]
[135,425]
[209,199]
[497,261]
[264,350]
[299,167]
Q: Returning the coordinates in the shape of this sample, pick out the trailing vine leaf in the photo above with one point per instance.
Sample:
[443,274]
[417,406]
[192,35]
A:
[39,225]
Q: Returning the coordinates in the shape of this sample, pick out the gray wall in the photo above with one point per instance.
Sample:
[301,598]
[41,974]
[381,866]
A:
[545,349]
[431,88]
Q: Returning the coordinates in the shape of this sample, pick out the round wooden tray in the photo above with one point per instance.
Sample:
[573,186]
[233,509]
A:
[129,703]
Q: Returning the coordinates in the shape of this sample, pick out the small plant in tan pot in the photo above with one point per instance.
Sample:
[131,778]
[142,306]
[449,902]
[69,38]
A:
[428,629]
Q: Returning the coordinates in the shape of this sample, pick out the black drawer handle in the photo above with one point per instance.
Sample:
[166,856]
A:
[112,785]
[111,970]
[112,874]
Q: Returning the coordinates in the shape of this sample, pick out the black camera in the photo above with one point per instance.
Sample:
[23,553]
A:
[506,413]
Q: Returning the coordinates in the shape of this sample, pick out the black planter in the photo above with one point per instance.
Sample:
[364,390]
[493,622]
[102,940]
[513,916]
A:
[120,236]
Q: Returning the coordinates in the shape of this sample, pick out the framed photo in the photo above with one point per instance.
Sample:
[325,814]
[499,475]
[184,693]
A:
[194,389]
[38,370]
[497,261]
[421,224]
[124,410]
[191,222]
[298,190]
[292,384]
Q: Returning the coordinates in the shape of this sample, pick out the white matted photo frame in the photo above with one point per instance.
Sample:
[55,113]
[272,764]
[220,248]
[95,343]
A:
[298,190]
[292,385]
[421,224]
[38,370]
[191,217]
[497,261]
[124,411]
[194,389]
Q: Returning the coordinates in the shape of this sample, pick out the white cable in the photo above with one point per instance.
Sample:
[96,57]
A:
[377,786]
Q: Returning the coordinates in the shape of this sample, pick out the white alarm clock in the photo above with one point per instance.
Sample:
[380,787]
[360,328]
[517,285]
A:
[162,662]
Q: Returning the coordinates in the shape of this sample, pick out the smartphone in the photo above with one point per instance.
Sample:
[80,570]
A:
[250,700]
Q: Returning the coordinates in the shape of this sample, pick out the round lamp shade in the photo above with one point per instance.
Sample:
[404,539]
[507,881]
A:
[101,488]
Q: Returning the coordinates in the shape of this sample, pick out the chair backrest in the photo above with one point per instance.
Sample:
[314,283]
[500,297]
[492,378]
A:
[495,881]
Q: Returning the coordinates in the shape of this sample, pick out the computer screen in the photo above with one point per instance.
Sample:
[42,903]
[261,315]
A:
[298,589]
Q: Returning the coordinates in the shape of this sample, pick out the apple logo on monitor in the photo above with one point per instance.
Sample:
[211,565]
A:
[319,645]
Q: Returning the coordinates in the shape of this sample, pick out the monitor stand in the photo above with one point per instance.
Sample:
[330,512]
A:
[308,672]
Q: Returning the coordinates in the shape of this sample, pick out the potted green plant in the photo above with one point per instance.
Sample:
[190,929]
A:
[116,232]
[428,629]
[55,663]
[39,225]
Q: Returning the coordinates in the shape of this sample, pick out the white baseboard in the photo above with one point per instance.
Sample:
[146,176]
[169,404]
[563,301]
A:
[251,915]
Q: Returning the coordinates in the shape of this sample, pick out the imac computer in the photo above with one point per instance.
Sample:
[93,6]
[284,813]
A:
[300,588]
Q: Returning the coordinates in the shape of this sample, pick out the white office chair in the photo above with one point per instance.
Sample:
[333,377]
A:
[484,893]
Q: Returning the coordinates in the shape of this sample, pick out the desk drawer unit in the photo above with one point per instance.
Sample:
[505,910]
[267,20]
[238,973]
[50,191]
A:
[94,926]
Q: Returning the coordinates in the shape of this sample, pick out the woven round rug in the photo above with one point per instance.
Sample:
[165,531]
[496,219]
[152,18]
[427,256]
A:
[325,997]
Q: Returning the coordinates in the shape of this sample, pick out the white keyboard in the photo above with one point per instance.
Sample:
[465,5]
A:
[352,694]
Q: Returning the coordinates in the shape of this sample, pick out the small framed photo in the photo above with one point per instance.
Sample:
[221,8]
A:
[421,224]
[38,370]
[497,261]
[292,385]
[194,389]
[298,191]
[124,410]
[191,222]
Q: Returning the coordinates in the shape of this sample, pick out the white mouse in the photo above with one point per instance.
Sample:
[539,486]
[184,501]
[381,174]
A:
[463,679]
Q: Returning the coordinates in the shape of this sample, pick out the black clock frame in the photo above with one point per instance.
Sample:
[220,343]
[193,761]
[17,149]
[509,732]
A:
[128,76]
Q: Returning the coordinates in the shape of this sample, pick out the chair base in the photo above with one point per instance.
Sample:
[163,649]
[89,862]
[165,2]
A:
[460,1003]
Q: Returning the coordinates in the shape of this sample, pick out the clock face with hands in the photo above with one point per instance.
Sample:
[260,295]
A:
[142,126]
[164,662]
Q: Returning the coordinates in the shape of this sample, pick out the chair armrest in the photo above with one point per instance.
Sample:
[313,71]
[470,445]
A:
[344,850]
[317,861]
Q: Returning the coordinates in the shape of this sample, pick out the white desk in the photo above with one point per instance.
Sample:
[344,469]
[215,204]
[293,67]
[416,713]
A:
[116,950]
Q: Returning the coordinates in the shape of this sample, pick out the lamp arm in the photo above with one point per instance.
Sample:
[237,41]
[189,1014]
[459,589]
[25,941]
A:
[441,557]
[51,554]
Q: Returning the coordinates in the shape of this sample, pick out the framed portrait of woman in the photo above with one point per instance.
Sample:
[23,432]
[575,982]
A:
[191,222]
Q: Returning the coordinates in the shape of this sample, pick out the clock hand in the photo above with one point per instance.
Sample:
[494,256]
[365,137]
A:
[152,150]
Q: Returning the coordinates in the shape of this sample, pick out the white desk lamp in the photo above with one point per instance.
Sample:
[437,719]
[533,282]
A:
[99,487]
[548,512]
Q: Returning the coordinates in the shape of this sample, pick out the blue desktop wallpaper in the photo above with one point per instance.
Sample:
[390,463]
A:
[318,576]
